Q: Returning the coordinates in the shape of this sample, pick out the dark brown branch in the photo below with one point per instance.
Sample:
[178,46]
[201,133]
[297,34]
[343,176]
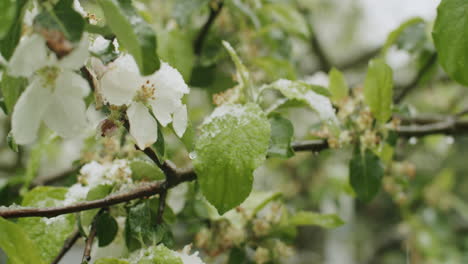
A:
[420,75]
[312,145]
[71,240]
[214,13]
[146,190]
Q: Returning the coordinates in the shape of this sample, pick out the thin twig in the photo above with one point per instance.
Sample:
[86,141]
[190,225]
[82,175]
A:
[311,145]
[71,240]
[90,240]
[214,13]
[161,207]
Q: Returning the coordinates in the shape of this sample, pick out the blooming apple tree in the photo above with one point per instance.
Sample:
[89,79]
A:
[121,79]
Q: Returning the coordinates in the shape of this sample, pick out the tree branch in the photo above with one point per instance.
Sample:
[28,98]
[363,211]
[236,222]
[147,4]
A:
[214,13]
[161,207]
[175,176]
[90,240]
[71,240]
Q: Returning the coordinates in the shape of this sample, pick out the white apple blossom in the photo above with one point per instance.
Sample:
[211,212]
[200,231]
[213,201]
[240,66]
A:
[162,92]
[55,92]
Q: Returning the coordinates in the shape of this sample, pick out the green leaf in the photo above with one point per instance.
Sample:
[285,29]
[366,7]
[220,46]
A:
[276,68]
[243,75]
[96,193]
[11,142]
[11,39]
[304,218]
[378,90]
[17,245]
[246,10]
[365,173]
[233,143]
[316,97]
[395,34]
[238,256]
[48,233]
[141,227]
[7,16]
[338,86]
[145,171]
[106,229]
[12,87]
[175,47]
[282,132]
[450,37]
[132,32]
[111,261]
[288,18]
[61,18]
[183,10]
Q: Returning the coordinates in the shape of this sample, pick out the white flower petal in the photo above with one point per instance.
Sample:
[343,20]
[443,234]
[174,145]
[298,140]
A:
[99,44]
[179,122]
[28,112]
[94,116]
[164,107]
[169,79]
[66,115]
[120,82]
[77,58]
[71,84]
[29,56]
[78,8]
[143,127]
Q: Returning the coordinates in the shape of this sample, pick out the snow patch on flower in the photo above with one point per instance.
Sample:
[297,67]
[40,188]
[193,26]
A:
[76,192]
[319,78]
[94,173]
[189,259]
